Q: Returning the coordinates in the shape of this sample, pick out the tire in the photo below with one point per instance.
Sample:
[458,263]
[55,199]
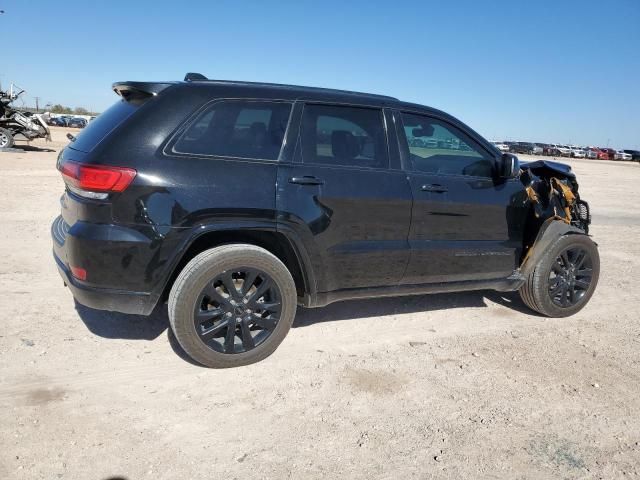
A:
[6,138]
[194,296]
[539,290]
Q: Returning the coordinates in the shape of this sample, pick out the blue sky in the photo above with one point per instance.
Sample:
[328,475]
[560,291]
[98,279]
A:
[557,71]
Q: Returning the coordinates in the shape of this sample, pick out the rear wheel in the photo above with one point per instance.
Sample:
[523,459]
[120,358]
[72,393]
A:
[6,138]
[564,280]
[232,305]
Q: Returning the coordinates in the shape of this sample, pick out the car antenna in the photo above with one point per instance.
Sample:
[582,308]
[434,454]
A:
[192,76]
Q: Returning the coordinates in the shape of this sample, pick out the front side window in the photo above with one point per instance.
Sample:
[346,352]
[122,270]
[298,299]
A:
[434,146]
[237,128]
[344,136]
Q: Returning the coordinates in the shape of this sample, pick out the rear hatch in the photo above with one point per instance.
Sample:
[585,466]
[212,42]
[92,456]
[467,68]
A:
[90,183]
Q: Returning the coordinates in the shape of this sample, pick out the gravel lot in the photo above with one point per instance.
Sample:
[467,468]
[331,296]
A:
[459,386]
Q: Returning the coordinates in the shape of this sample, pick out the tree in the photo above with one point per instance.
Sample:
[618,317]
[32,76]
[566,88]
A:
[81,111]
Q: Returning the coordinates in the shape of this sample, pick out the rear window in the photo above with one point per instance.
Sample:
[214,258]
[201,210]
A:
[237,129]
[102,125]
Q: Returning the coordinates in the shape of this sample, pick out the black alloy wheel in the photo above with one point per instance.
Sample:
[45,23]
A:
[237,310]
[570,276]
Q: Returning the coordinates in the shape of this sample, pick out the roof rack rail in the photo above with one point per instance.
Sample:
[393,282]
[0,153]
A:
[191,76]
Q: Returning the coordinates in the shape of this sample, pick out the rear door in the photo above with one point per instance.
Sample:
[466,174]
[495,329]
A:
[467,223]
[345,194]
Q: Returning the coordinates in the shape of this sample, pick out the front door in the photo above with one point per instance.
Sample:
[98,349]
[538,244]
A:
[342,197]
[466,222]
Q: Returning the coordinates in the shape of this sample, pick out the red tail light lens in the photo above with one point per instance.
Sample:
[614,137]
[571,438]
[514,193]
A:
[97,178]
[79,273]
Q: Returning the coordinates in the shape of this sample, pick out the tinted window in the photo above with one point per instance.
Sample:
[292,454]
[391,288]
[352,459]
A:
[350,136]
[241,129]
[104,123]
[439,148]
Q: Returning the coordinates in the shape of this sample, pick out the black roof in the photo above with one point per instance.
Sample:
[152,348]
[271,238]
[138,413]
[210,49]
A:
[283,91]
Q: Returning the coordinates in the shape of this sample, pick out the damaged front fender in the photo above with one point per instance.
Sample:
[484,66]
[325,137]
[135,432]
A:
[556,208]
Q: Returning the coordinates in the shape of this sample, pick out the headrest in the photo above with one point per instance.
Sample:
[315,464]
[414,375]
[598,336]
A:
[344,144]
[257,128]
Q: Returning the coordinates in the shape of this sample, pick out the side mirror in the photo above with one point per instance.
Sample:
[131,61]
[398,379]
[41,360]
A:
[509,166]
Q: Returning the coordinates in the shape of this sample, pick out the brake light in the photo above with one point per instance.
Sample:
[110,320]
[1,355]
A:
[96,178]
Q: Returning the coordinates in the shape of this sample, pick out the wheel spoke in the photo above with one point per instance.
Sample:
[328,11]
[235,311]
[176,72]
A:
[565,259]
[268,323]
[555,289]
[260,291]
[229,340]
[248,282]
[563,295]
[270,306]
[247,339]
[580,258]
[582,284]
[585,272]
[213,331]
[211,292]
[227,281]
[206,315]
[572,295]
[556,267]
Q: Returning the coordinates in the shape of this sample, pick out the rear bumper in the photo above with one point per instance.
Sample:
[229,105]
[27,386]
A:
[136,303]
[91,295]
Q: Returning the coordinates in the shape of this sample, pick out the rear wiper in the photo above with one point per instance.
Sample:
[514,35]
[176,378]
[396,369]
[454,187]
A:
[71,137]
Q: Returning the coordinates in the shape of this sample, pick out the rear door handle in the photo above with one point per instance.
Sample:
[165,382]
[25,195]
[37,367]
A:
[306,180]
[434,188]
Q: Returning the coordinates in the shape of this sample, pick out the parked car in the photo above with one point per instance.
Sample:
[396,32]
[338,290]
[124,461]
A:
[564,150]
[236,202]
[525,147]
[503,147]
[57,122]
[77,122]
[609,152]
[550,149]
[635,154]
[577,152]
[622,155]
[590,152]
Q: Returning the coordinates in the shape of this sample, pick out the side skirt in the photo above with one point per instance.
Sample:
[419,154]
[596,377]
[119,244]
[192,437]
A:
[320,299]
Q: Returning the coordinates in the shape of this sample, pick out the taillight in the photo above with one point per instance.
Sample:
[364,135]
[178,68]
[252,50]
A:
[96,181]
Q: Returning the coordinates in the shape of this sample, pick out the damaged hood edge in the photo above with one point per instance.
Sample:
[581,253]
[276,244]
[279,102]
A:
[540,167]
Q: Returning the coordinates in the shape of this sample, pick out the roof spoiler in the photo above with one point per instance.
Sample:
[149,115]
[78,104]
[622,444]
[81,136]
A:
[129,90]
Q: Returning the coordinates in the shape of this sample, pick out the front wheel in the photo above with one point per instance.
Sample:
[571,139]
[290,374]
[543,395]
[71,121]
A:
[564,280]
[232,305]
[6,138]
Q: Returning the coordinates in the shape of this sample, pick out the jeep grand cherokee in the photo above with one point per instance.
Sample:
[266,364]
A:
[236,202]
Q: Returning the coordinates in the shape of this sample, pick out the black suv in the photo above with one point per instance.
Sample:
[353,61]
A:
[236,202]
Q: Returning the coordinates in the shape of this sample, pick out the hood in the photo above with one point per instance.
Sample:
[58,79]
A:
[548,169]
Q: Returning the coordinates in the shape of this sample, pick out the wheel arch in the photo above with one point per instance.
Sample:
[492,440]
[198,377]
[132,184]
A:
[283,246]
[549,232]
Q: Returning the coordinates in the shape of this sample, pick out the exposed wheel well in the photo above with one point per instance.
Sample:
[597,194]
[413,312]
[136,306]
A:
[274,242]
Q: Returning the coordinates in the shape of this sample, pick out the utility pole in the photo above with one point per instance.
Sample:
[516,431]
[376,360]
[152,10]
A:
[37,106]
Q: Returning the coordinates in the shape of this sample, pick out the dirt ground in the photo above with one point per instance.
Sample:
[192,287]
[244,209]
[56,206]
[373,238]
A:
[455,386]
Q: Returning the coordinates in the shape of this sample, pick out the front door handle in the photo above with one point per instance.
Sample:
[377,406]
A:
[306,180]
[434,188]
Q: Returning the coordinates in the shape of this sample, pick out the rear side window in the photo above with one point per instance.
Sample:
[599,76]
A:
[346,136]
[104,123]
[439,148]
[237,128]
